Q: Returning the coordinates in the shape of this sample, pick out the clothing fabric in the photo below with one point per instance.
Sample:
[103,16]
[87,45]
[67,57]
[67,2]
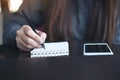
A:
[33,9]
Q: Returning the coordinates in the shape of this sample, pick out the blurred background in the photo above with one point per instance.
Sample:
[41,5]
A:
[7,7]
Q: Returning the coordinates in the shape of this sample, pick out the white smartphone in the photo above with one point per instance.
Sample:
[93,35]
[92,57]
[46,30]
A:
[93,49]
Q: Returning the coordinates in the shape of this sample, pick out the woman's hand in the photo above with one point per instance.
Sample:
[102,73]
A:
[27,39]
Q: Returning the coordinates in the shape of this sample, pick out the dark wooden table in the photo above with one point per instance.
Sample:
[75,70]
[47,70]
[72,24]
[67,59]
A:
[17,65]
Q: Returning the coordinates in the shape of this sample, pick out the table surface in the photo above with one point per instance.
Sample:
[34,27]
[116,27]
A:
[17,65]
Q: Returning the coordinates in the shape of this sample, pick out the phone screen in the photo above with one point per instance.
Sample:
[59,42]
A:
[97,49]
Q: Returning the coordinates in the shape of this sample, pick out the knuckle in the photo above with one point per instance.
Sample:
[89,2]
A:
[16,39]
[44,34]
[17,32]
[26,28]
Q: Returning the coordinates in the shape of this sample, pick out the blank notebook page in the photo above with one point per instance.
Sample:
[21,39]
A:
[51,50]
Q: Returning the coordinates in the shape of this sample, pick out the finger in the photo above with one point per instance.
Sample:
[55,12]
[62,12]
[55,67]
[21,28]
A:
[22,43]
[23,39]
[29,32]
[22,48]
[42,35]
[29,42]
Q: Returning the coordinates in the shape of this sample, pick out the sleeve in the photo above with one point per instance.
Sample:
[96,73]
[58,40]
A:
[33,11]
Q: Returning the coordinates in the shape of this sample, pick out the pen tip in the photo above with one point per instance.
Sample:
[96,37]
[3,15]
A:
[43,46]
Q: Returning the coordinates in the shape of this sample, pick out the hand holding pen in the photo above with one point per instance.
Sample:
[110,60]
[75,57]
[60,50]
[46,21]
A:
[27,39]
[40,40]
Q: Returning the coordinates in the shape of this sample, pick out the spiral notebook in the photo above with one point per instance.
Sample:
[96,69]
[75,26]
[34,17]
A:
[53,49]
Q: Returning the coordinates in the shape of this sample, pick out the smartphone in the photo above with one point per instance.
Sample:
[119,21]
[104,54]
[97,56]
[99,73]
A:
[93,49]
